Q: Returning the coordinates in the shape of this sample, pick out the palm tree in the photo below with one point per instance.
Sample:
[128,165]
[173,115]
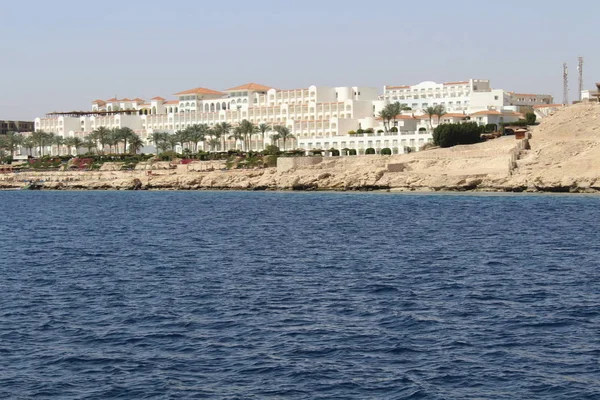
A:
[396,109]
[58,141]
[247,129]
[238,134]
[431,112]
[41,138]
[283,133]
[135,144]
[182,137]
[222,131]
[77,143]
[124,134]
[102,136]
[90,143]
[440,111]
[173,140]
[196,133]
[263,129]
[213,142]
[68,142]
[113,139]
[160,141]
[386,116]
[215,134]
[11,141]
[29,144]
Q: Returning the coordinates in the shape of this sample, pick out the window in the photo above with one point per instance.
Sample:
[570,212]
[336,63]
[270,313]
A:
[495,97]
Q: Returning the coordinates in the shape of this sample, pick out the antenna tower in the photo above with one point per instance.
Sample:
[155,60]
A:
[580,71]
[565,84]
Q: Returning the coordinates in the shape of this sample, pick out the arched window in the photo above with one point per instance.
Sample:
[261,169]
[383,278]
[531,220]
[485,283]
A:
[154,110]
[187,104]
[218,106]
[224,106]
[176,109]
[206,108]
[212,107]
[170,109]
[109,108]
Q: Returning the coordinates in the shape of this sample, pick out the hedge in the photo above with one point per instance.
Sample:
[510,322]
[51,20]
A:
[448,135]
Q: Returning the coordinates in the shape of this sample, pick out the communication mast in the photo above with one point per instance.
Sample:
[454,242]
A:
[565,84]
[580,70]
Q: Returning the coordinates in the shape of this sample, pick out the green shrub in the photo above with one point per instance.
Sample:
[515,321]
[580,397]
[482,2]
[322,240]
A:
[294,153]
[380,131]
[351,132]
[489,128]
[270,160]
[360,131]
[352,152]
[386,151]
[271,150]
[334,152]
[394,129]
[530,118]
[369,130]
[448,135]
[422,129]
[169,155]
[370,150]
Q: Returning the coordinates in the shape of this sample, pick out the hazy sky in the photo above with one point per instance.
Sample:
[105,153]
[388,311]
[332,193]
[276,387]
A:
[61,55]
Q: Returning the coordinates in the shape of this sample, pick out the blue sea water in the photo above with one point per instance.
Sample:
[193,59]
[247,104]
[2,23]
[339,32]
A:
[252,295]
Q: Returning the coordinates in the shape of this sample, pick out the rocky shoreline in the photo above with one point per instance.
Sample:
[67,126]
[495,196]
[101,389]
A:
[562,156]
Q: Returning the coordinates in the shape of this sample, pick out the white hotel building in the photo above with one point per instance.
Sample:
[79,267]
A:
[318,117]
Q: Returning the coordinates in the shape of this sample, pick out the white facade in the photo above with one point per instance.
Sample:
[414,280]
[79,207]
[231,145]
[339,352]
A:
[468,96]
[318,117]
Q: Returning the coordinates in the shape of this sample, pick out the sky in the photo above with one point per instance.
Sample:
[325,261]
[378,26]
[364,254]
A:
[61,55]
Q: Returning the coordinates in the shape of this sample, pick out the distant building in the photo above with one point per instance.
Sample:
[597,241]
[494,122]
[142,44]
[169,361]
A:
[469,96]
[591,95]
[15,126]
[318,117]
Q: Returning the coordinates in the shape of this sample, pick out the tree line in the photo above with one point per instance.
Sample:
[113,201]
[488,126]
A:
[125,140]
[214,138]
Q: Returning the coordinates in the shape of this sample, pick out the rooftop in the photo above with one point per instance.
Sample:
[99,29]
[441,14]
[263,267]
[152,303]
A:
[253,87]
[199,90]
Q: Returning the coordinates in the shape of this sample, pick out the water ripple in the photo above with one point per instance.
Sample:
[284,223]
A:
[217,295]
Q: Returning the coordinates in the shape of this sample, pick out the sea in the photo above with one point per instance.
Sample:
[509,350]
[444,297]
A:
[272,295]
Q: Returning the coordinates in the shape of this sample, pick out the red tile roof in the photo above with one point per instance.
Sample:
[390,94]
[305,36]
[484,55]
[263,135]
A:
[199,90]
[254,87]
[158,98]
[488,112]
[397,87]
